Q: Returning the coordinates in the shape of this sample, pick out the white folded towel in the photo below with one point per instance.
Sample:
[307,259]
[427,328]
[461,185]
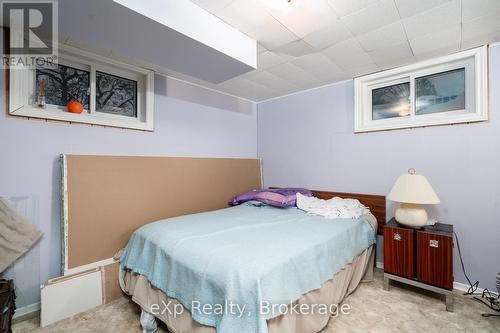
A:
[332,208]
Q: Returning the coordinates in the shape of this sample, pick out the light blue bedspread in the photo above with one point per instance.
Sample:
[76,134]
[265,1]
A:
[245,255]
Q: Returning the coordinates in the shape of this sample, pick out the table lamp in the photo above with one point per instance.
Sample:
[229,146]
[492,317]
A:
[412,190]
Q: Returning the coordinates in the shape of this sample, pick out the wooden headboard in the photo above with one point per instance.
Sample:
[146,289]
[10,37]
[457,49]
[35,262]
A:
[376,203]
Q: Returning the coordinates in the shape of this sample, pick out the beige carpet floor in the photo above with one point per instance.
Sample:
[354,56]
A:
[402,309]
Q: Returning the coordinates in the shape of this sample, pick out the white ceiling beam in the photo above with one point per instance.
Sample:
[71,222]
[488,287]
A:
[198,24]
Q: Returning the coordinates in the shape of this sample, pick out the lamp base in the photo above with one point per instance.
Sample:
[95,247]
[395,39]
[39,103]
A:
[411,215]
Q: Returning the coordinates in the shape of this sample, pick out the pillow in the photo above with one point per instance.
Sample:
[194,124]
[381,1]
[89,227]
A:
[283,197]
[255,203]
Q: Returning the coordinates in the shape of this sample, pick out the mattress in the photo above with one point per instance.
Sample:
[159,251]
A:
[332,292]
[244,255]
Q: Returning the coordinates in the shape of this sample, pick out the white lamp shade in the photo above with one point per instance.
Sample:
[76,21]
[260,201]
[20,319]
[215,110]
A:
[413,188]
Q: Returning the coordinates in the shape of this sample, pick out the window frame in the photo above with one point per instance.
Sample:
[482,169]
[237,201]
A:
[475,62]
[22,93]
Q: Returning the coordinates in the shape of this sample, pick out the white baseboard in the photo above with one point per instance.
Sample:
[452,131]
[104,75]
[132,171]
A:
[26,310]
[458,286]
[464,287]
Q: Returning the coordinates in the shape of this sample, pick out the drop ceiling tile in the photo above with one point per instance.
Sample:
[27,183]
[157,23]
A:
[392,56]
[480,26]
[437,43]
[333,33]
[295,75]
[320,66]
[296,48]
[245,88]
[305,17]
[312,61]
[479,40]
[348,55]
[309,82]
[283,69]
[261,95]
[372,17]
[269,59]
[212,6]
[333,75]
[234,86]
[396,63]
[387,36]
[438,52]
[244,15]
[435,20]
[473,9]
[408,8]
[346,7]
[260,48]
[312,85]
[362,70]
[271,81]
[272,34]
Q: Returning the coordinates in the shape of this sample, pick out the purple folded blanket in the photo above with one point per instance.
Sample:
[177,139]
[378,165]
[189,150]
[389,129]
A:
[282,197]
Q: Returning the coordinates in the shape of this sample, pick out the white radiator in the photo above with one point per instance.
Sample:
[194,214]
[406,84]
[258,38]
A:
[66,296]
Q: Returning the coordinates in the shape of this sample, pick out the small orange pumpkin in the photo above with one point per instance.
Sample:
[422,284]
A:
[74,107]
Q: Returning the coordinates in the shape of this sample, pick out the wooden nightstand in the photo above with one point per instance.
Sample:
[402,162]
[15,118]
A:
[420,257]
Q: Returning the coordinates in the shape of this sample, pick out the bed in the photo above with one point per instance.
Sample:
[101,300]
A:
[257,263]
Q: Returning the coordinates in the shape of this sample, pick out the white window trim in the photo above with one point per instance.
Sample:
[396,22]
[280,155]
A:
[22,87]
[475,62]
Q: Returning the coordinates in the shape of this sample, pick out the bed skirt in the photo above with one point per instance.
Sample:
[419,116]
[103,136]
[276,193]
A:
[332,291]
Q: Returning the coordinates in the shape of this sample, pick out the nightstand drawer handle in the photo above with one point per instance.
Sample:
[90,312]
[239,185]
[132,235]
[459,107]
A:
[433,243]
[397,237]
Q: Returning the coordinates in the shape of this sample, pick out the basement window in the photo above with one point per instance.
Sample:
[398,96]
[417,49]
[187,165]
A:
[107,92]
[62,84]
[448,90]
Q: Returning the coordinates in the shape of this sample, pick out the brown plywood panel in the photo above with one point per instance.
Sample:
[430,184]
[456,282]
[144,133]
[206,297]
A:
[108,197]
[112,289]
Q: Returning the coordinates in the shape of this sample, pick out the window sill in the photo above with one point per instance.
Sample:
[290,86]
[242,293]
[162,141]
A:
[84,118]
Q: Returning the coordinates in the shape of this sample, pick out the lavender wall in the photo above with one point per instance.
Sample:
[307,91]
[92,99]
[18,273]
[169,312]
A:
[189,121]
[307,140]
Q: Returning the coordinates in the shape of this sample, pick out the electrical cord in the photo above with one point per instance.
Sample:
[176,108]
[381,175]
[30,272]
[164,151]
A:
[488,298]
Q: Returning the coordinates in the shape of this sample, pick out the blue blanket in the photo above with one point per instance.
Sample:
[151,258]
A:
[244,260]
